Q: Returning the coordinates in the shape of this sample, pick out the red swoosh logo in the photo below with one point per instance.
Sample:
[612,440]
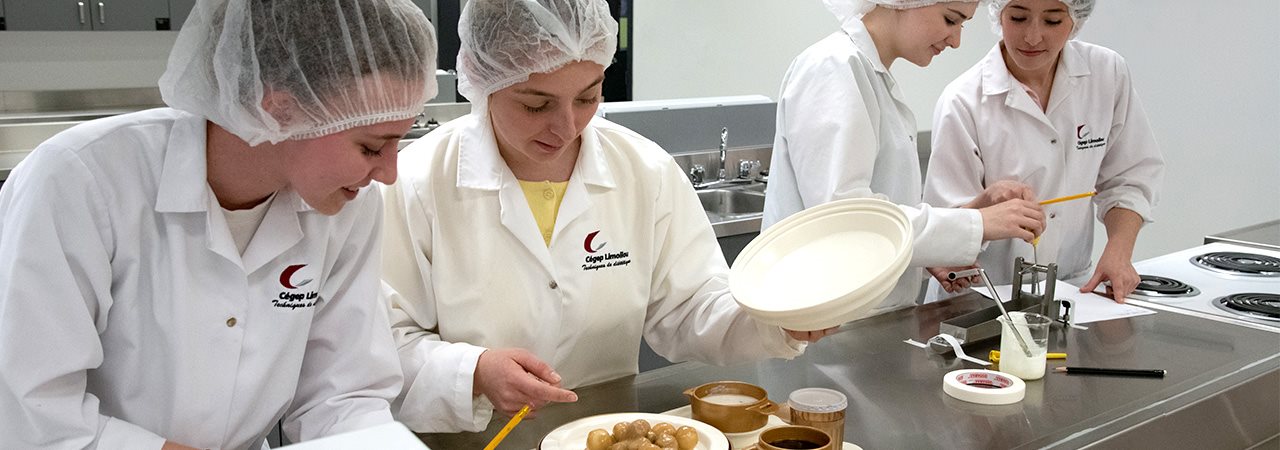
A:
[288,273]
[586,244]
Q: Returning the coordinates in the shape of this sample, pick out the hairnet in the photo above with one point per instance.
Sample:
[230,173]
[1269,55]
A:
[323,66]
[504,41]
[1080,10]
[847,10]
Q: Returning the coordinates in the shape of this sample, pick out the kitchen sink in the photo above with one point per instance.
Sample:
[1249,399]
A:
[727,203]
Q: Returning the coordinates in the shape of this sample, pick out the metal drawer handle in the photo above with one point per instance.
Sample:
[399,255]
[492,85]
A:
[80,6]
[102,13]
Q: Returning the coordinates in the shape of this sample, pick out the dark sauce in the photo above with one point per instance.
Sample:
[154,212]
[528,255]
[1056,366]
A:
[794,444]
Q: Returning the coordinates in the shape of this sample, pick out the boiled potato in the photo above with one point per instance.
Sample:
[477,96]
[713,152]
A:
[663,428]
[687,438]
[621,431]
[599,439]
[666,440]
[640,428]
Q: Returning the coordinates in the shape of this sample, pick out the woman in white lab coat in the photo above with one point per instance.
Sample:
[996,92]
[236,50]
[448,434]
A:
[1062,116]
[845,131]
[194,275]
[531,246]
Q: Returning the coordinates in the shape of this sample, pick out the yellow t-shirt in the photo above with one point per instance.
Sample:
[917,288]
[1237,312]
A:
[544,200]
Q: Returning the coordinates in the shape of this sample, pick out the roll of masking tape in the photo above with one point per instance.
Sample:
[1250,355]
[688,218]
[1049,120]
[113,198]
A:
[984,387]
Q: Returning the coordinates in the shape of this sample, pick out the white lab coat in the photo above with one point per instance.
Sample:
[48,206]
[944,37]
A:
[119,281]
[632,255]
[844,131]
[1094,136]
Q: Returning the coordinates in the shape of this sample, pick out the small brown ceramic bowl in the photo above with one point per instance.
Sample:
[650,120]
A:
[731,406]
[794,437]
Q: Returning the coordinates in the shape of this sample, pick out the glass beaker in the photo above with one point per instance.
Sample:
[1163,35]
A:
[1034,329]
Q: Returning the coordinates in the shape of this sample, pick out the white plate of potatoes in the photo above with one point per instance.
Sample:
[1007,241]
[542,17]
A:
[630,431]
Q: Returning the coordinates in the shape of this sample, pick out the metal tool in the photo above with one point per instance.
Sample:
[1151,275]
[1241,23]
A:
[1035,259]
[1000,304]
[952,276]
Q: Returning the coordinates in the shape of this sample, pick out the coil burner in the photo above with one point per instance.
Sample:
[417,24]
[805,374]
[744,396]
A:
[1235,263]
[1152,286]
[1251,304]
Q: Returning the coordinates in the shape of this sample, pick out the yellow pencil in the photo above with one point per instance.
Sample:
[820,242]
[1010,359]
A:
[507,429]
[994,356]
[1067,198]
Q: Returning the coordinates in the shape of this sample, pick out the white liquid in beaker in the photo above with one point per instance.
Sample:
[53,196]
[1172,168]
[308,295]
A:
[1013,360]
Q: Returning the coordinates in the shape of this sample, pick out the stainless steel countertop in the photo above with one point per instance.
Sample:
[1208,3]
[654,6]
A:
[896,399]
[1264,235]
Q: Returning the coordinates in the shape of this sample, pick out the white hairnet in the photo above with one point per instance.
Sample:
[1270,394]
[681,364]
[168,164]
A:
[323,66]
[846,10]
[503,41]
[1080,10]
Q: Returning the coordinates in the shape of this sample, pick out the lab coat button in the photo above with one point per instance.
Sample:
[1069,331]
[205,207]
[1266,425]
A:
[1053,141]
[553,284]
[231,322]
[1053,215]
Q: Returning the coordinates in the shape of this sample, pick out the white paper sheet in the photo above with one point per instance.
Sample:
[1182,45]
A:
[1085,307]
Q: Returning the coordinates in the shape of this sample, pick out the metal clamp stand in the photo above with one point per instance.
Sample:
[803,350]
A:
[982,324]
[1048,306]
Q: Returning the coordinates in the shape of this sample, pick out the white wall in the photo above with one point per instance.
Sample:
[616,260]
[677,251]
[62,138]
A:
[46,60]
[1208,75]
[705,48]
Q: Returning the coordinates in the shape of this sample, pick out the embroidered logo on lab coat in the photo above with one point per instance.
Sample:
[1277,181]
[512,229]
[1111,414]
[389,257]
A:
[595,259]
[289,297]
[1085,139]
[589,245]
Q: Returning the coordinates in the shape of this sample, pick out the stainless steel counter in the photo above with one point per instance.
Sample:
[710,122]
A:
[1264,235]
[1222,390]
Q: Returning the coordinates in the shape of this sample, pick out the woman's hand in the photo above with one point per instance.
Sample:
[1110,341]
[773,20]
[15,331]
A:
[810,336]
[953,286]
[514,377]
[1012,219]
[1116,263]
[1118,270]
[1000,192]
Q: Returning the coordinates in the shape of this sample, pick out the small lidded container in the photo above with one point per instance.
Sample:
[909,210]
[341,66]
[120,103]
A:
[819,408]
[731,406]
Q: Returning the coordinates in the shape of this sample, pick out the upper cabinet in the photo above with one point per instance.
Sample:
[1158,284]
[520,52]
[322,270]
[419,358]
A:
[112,15]
[86,15]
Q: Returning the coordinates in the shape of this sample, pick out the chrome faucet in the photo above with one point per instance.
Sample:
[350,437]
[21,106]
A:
[745,167]
[724,138]
[696,174]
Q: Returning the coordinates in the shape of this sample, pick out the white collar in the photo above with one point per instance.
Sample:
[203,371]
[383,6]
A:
[480,165]
[857,32]
[996,78]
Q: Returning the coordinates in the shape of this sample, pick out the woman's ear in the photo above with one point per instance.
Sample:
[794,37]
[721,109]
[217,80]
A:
[280,105]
